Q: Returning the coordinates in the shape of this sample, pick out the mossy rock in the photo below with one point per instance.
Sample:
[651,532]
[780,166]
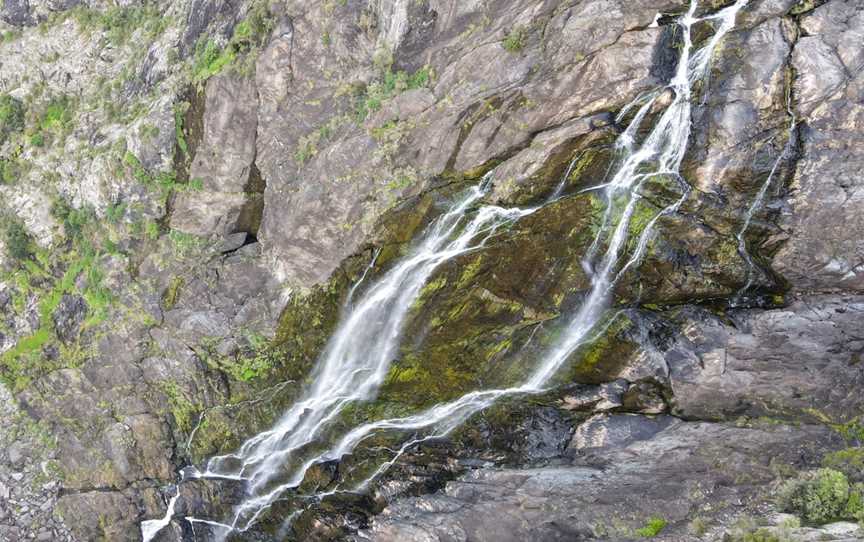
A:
[478,309]
[685,261]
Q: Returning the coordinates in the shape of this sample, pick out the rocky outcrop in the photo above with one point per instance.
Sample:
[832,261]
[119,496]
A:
[228,200]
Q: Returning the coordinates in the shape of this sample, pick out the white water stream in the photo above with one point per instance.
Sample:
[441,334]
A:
[357,358]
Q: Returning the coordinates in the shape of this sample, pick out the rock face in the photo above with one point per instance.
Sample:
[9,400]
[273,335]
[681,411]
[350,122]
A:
[191,189]
[612,488]
[822,251]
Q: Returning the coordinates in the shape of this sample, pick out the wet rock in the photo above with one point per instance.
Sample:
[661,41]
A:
[546,433]
[617,430]
[678,472]
[645,398]
[601,397]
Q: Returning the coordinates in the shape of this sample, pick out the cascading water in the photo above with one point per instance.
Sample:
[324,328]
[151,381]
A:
[355,361]
[357,357]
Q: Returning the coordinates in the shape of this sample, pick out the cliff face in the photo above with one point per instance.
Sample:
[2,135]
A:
[191,191]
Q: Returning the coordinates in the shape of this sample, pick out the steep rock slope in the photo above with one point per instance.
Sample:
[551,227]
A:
[191,188]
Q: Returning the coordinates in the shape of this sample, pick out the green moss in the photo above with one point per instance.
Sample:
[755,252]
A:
[10,171]
[803,6]
[600,359]
[172,292]
[180,406]
[651,529]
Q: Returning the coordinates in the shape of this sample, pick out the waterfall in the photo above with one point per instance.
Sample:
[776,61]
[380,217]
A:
[355,361]
[357,357]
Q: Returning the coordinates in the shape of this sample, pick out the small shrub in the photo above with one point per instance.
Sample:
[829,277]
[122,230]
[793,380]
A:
[8,171]
[210,59]
[515,40]
[822,496]
[652,528]
[74,220]
[114,213]
[151,230]
[18,241]
[57,114]
[37,139]
[391,84]
[11,116]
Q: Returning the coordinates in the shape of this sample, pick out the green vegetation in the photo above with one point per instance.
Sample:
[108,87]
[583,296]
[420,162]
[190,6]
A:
[849,461]
[54,120]
[10,171]
[823,496]
[11,116]
[57,114]
[307,146]
[390,85]
[120,23]
[172,292]
[241,50]
[42,276]
[515,40]
[179,134]
[10,36]
[652,528]
[19,245]
[179,405]
[185,243]
[257,360]
[164,182]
